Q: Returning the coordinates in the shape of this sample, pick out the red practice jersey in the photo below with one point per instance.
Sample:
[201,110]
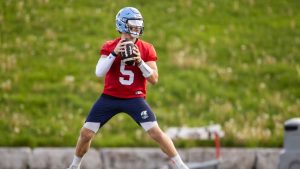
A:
[125,81]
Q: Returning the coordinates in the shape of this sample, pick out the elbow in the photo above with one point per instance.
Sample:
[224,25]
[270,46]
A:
[153,81]
[100,73]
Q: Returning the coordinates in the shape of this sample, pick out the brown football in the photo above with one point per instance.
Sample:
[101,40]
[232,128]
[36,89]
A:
[127,55]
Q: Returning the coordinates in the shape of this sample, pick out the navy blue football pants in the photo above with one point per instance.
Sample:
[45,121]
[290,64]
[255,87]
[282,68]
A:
[108,106]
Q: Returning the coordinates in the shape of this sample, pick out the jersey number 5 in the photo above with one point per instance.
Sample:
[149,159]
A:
[124,72]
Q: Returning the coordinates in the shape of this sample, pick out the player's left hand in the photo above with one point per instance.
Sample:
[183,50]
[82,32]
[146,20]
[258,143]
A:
[136,52]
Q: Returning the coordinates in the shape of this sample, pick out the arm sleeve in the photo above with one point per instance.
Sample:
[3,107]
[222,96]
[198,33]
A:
[104,63]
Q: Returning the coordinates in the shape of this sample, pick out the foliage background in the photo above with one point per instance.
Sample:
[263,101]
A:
[231,62]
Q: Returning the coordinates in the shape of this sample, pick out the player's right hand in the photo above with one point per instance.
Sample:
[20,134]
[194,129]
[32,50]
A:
[121,46]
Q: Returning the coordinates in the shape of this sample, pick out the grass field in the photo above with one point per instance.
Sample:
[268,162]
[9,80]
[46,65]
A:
[231,62]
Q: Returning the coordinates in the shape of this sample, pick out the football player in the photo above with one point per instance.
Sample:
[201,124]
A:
[125,87]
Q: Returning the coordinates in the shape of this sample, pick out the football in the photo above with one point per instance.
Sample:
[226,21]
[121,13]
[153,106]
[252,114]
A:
[127,55]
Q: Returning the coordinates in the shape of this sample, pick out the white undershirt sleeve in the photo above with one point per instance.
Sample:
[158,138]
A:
[104,65]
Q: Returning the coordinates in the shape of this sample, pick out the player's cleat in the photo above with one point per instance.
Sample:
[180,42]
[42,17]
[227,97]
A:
[73,167]
[165,167]
[183,166]
[173,165]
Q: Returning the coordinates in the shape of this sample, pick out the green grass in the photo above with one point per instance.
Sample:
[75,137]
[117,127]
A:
[235,63]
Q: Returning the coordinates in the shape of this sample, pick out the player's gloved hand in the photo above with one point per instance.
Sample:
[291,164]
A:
[137,54]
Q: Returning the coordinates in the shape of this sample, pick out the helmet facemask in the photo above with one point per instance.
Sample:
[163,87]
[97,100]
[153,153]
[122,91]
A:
[135,27]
